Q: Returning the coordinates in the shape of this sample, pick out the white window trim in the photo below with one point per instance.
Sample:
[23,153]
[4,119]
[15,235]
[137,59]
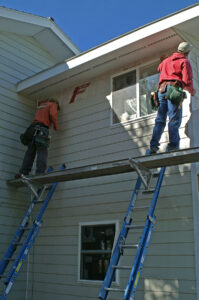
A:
[116,222]
[140,118]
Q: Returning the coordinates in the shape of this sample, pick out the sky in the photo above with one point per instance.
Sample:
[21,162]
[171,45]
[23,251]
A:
[89,23]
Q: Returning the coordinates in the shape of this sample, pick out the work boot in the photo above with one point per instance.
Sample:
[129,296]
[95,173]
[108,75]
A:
[153,150]
[17,176]
[172,149]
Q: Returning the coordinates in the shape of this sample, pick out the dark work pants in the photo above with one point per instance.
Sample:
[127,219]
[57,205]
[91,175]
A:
[41,162]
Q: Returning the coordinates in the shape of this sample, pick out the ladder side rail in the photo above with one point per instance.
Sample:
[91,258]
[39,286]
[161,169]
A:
[30,233]
[24,254]
[21,251]
[37,221]
[16,238]
[122,236]
[144,243]
[47,199]
[19,233]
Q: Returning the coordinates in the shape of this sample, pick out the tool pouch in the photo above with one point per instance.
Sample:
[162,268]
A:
[175,94]
[27,136]
[154,100]
[42,138]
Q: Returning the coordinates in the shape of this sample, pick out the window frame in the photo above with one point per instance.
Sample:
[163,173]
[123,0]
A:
[95,223]
[137,69]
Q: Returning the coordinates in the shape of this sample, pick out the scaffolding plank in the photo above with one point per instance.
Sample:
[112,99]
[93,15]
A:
[179,157]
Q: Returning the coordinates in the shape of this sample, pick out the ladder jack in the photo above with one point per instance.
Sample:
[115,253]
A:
[42,196]
[145,178]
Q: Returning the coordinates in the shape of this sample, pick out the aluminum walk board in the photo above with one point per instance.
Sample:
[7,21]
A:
[165,159]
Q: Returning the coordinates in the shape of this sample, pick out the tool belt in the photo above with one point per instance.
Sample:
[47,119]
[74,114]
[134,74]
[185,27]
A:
[37,133]
[163,86]
[175,93]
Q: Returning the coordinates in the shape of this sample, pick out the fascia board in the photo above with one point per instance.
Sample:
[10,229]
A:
[116,44]
[135,36]
[42,76]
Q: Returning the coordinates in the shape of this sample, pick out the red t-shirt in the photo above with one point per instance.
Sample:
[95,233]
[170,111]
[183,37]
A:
[47,114]
[177,67]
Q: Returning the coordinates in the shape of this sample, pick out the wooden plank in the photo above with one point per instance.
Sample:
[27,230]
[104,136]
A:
[115,167]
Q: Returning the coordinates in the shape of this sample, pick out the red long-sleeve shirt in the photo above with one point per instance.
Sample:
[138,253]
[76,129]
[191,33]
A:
[47,114]
[177,67]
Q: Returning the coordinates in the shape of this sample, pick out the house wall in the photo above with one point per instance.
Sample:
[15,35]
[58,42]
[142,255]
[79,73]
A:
[20,57]
[86,137]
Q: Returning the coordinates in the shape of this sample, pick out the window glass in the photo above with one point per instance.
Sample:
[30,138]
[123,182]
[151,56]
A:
[124,103]
[96,248]
[148,83]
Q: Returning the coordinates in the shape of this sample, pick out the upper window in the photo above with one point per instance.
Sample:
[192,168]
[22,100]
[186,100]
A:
[131,93]
[96,242]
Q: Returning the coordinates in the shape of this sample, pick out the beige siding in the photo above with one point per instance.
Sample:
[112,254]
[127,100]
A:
[20,57]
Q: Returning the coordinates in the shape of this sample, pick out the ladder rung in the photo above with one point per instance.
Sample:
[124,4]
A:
[135,226]
[156,174]
[122,267]
[114,290]
[149,191]
[135,246]
[27,228]
[49,187]
[39,201]
[141,207]
[10,259]
[17,243]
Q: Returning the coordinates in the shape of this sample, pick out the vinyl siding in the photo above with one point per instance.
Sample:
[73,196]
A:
[86,137]
[20,57]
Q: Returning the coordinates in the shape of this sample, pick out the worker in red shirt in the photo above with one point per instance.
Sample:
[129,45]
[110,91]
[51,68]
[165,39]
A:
[175,70]
[36,137]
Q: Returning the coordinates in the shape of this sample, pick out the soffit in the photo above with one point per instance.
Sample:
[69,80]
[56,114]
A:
[64,75]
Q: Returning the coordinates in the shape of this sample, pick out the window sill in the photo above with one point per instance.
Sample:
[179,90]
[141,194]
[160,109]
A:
[94,282]
[138,120]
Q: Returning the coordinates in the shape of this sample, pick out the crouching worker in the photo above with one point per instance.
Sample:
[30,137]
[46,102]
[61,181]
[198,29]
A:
[36,137]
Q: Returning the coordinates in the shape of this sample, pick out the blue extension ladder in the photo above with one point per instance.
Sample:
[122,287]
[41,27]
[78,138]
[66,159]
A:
[40,198]
[136,269]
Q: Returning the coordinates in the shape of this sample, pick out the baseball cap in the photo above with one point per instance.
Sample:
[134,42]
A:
[184,47]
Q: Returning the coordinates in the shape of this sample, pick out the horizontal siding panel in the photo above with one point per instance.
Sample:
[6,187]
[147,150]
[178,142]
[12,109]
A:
[30,69]
[19,43]
[13,68]
[21,58]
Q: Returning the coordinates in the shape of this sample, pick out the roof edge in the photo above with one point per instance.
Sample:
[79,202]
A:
[169,21]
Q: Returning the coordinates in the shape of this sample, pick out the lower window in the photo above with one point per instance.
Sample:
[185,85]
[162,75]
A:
[96,243]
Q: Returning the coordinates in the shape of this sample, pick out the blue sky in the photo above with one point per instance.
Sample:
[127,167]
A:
[89,23]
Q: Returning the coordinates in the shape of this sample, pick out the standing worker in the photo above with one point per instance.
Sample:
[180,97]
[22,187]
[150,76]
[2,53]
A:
[174,71]
[36,137]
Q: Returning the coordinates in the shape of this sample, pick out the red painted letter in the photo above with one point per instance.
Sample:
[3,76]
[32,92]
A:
[78,90]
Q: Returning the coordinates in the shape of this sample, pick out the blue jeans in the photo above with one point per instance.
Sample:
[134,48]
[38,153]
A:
[174,113]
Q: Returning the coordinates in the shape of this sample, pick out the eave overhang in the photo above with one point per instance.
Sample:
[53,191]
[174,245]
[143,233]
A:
[148,41]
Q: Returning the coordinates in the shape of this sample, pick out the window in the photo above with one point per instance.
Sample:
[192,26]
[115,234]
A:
[131,93]
[96,242]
